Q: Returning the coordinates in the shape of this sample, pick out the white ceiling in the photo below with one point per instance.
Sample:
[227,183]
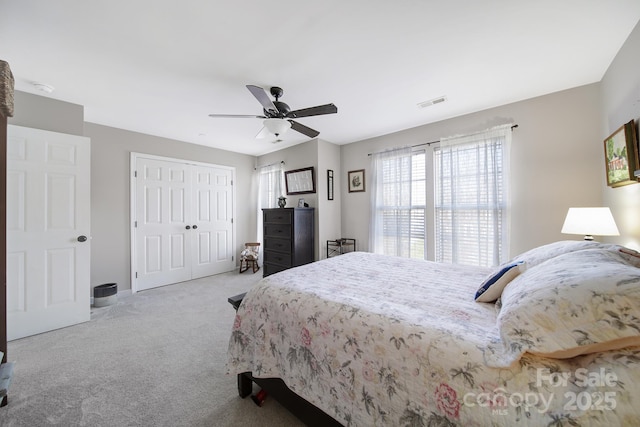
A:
[160,67]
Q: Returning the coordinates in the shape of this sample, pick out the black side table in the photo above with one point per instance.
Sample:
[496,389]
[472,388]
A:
[340,246]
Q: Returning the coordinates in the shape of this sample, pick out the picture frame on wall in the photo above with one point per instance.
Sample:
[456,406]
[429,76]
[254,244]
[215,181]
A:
[300,181]
[329,184]
[621,156]
[355,179]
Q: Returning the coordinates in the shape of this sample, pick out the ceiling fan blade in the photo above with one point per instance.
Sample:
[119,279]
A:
[263,133]
[263,98]
[313,111]
[236,116]
[311,133]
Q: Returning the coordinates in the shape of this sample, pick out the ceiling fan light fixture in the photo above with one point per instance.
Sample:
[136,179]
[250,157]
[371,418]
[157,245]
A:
[277,126]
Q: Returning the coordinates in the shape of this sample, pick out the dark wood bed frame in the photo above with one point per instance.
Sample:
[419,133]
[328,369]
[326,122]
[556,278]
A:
[276,388]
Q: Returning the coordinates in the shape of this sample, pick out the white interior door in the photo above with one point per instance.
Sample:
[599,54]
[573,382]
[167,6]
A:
[183,221]
[163,200]
[48,221]
[213,227]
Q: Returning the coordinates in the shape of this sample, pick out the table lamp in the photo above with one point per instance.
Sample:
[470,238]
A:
[590,222]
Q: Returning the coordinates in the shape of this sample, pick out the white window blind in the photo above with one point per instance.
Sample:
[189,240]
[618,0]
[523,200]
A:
[398,203]
[471,198]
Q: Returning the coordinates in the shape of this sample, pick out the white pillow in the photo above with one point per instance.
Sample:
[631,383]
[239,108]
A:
[543,253]
[577,303]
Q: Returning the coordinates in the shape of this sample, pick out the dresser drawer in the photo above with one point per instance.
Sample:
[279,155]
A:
[272,268]
[280,258]
[277,216]
[277,230]
[275,244]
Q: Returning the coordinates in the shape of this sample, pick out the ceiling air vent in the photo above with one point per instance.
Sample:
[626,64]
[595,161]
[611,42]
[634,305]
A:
[431,102]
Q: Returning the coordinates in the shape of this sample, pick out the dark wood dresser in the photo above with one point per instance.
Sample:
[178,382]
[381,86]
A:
[288,238]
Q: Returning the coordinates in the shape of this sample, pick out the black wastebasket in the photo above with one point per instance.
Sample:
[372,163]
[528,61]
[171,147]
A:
[104,295]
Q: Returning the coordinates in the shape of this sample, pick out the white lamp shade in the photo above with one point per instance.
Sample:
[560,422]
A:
[277,126]
[589,222]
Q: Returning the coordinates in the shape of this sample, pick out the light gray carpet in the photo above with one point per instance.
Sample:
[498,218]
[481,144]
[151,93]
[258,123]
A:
[156,358]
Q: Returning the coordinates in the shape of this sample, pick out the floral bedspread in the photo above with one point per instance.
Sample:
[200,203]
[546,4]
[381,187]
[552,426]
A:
[385,341]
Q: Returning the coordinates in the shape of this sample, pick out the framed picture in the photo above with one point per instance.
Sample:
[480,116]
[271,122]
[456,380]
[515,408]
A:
[356,180]
[621,156]
[300,181]
[329,184]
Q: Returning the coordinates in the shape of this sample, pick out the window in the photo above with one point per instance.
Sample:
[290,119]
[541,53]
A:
[470,201]
[399,203]
[270,187]
[467,200]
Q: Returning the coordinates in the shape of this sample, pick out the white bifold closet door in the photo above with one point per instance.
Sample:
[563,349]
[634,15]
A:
[182,221]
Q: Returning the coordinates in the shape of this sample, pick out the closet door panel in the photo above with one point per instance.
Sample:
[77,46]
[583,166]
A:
[212,195]
[162,203]
[183,221]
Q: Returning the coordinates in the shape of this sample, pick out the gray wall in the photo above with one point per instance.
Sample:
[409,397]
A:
[329,226]
[322,155]
[557,158]
[43,113]
[556,162]
[110,150]
[110,164]
[620,103]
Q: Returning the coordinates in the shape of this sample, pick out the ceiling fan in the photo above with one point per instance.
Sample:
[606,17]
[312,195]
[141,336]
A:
[279,116]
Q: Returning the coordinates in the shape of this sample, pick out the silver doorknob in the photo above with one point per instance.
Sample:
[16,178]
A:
[82,238]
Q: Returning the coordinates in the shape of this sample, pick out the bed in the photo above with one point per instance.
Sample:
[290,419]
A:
[373,340]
